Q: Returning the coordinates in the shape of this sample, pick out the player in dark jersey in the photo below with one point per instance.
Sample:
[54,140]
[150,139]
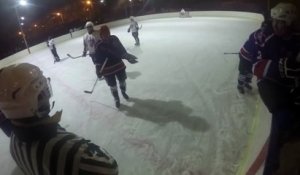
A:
[38,144]
[277,69]
[109,55]
[247,57]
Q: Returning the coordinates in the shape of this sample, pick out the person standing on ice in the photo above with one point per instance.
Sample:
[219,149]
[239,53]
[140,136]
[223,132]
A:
[247,57]
[277,69]
[109,55]
[39,145]
[51,45]
[90,40]
[134,29]
[182,13]
[71,32]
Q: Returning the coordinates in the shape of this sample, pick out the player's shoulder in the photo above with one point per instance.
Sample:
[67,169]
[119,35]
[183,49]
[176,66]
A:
[114,37]
[261,35]
[265,29]
[85,36]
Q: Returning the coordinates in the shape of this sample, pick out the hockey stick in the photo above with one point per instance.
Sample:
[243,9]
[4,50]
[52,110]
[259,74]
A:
[231,53]
[74,57]
[91,91]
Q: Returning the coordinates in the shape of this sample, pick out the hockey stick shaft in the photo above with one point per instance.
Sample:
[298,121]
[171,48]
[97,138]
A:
[231,53]
[75,56]
[102,67]
[101,70]
[91,91]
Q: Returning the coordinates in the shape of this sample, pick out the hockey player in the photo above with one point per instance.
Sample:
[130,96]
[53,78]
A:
[109,54]
[182,13]
[52,47]
[89,44]
[134,28]
[38,144]
[278,73]
[247,57]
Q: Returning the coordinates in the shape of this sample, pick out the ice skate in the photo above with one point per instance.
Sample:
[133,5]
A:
[125,95]
[117,103]
[241,89]
[248,86]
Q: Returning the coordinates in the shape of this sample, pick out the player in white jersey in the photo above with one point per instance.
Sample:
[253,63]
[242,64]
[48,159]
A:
[134,29]
[90,40]
[51,45]
[183,13]
[39,145]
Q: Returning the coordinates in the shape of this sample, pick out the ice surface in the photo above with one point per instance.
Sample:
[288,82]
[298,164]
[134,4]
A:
[185,116]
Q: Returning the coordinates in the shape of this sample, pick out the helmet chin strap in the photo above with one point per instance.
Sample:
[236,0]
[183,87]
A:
[44,103]
[53,103]
[42,121]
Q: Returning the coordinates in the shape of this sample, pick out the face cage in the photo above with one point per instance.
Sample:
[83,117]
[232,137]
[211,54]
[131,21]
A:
[44,106]
[49,89]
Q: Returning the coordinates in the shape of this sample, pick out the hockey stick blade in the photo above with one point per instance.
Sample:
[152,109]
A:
[73,57]
[91,91]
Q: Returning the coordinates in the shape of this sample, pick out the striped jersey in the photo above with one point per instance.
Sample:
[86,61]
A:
[64,154]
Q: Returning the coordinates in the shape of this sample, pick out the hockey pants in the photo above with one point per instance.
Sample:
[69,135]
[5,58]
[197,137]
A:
[245,72]
[136,37]
[278,101]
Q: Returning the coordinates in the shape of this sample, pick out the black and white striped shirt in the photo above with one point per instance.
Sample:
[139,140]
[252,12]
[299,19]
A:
[64,154]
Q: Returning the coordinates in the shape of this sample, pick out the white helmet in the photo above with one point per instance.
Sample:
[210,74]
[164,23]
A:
[89,24]
[24,92]
[284,11]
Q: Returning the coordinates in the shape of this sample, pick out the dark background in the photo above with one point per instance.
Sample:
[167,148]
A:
[77,12]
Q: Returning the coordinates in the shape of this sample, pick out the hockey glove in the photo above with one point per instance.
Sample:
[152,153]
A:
[98,73]
[130,58]
[260,68]
[267,69]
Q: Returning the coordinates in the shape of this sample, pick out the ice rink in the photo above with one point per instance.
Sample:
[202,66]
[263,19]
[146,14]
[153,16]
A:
[185,116]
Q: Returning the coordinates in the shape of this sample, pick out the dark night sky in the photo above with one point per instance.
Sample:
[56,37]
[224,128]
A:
[33,10]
